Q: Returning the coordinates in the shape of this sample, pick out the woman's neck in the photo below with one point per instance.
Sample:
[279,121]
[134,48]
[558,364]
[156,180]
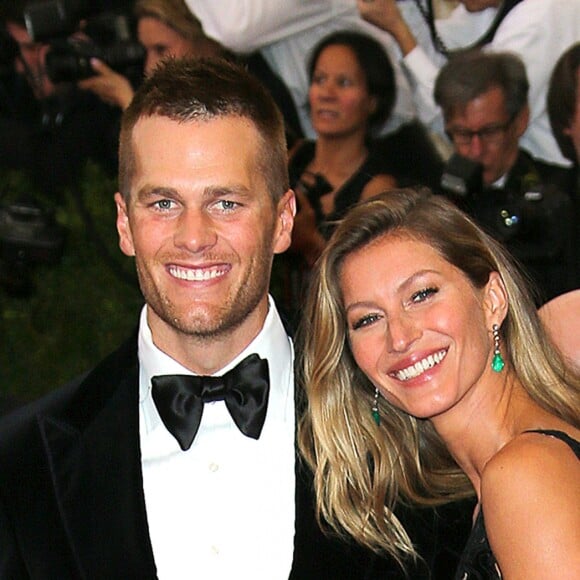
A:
[485,421]
[338,157]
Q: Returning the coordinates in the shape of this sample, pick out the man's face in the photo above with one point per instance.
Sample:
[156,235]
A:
[484,132]
[203,228]
[34,57]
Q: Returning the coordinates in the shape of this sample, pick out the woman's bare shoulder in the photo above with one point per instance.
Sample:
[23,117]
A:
[530,494]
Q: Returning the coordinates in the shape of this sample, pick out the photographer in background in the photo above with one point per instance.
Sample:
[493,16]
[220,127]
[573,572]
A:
[483,97]
[537,30]
[48,129]
[165,28]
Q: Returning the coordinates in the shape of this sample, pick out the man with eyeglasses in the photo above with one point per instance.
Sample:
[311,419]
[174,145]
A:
[484,100]
[538,31]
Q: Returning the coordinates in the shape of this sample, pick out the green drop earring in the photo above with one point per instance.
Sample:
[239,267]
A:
[497,364]
[375,408]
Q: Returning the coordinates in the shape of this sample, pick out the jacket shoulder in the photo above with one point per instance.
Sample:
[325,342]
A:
[93,386]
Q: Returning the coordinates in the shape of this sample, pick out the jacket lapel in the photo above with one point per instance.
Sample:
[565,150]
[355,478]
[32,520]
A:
[95,462]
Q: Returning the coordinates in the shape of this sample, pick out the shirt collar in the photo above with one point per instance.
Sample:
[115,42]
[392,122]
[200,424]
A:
[271,343]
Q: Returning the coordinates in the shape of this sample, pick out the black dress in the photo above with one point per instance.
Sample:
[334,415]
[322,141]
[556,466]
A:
[477,561]
[345,197]
[290,275]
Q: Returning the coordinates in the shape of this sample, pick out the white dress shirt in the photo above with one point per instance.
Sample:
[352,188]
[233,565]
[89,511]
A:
[538,31]
[225,508]
[286,31]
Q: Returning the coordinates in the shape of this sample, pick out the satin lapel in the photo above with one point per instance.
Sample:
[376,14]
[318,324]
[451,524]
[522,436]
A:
[96,469]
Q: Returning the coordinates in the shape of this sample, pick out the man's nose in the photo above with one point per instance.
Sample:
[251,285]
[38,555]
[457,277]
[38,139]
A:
[195,231]
[475,147]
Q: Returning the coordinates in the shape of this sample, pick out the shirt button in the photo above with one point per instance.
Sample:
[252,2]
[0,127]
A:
[215,550]
[213,467]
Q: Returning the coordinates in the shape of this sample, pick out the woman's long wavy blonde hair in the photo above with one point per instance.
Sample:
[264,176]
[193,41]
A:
[361,469]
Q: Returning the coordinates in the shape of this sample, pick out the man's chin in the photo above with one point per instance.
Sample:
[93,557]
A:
[205,323]
[197,321]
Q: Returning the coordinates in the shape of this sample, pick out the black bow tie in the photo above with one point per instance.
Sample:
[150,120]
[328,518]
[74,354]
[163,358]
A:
[245,388]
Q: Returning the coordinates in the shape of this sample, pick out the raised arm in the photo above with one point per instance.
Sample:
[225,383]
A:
[386,15]
[248,25]
[110,86]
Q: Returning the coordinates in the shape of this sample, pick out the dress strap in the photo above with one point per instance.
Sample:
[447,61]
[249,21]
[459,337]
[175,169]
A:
[570,441]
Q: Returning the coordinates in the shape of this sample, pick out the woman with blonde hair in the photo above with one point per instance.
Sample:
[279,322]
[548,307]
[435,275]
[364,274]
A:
[430,378]
[165,28]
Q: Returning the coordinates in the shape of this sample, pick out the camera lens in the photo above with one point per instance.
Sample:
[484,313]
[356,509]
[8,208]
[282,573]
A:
[68,67]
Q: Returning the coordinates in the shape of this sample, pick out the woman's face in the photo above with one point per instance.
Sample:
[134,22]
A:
[339,100]
[160,41]
[417,327]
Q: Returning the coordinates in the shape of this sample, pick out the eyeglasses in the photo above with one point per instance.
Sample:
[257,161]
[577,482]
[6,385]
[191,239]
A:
[487,135]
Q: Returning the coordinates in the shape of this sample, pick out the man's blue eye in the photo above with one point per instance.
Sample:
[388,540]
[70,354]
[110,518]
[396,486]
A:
[227,205]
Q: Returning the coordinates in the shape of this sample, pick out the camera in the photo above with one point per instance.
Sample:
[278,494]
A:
[76,32]
[29,235]
[528,217]
[461,178]
[314,187]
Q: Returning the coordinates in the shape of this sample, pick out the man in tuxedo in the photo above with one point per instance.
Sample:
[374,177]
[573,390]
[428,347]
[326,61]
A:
[175,456]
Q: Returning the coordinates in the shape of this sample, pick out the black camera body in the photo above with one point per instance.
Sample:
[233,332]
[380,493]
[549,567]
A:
[461,178]
[77,33]
[69,60]
[29,235]
[529,218]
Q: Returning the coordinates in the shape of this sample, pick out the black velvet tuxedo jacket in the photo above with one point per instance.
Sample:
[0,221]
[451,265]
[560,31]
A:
[72,502]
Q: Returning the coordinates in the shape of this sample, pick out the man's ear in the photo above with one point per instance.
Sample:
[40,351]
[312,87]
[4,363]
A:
[285,212]
[495,300]
[373,105]
[123,226]
[522,120]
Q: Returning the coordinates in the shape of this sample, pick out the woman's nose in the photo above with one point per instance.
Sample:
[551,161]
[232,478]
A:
[402,332]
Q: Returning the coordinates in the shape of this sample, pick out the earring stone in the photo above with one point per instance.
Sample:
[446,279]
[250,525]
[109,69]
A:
[497,364]
[375,408]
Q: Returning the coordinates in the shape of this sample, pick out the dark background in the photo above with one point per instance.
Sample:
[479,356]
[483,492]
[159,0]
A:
[79,308]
